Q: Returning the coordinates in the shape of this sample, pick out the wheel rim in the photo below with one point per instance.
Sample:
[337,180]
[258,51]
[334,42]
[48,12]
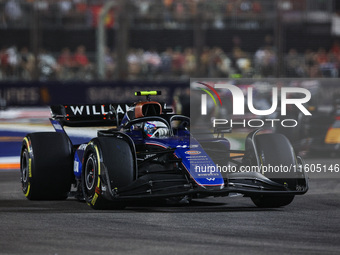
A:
[24,169]
[90,173]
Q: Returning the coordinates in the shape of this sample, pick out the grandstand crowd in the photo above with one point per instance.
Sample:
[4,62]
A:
[174,63]
[177,62]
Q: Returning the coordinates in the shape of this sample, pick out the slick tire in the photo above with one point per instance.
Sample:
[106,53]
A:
[116,157]
[272,201]
[46,166]
[275,150]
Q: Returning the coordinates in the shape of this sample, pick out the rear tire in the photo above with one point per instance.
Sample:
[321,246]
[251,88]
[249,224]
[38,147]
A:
[117,157]
[276,150]
[46,166]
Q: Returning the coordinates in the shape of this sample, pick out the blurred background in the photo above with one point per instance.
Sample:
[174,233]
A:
[88,40]
[96,51]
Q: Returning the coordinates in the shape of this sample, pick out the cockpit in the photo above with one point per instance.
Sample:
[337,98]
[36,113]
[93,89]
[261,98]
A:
[150,120]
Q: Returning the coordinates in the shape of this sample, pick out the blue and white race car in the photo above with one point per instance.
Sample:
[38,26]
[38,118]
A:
[150,153]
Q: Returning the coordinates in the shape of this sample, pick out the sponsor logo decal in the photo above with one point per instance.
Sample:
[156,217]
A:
[187,146]
[89,110]
[76,167]
[82,147]
[57,126]
[192,152]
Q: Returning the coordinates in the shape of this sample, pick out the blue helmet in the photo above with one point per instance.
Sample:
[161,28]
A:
[155,129]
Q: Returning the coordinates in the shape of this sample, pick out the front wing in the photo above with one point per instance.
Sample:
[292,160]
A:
[167,185]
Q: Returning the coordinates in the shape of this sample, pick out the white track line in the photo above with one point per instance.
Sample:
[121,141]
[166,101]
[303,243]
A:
[9,160]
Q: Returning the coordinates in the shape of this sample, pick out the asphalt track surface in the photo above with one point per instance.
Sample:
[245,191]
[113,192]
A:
[310,225]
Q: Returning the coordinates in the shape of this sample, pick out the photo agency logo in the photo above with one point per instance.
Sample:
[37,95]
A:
[280,101]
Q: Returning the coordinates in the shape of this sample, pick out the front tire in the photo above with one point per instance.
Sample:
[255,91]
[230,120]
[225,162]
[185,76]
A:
[275,150]
[272,201]
[113,155]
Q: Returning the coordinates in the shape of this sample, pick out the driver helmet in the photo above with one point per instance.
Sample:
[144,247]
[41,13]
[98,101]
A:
[150,128]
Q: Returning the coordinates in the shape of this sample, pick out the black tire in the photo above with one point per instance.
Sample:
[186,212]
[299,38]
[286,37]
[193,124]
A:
[272,201]
[275,150]
[46,166]
[116,156]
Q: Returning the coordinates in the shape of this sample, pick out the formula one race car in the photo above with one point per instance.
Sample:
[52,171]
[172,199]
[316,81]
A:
[151,154]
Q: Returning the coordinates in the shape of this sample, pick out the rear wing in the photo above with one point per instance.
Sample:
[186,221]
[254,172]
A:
[93,115]
[90,114]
